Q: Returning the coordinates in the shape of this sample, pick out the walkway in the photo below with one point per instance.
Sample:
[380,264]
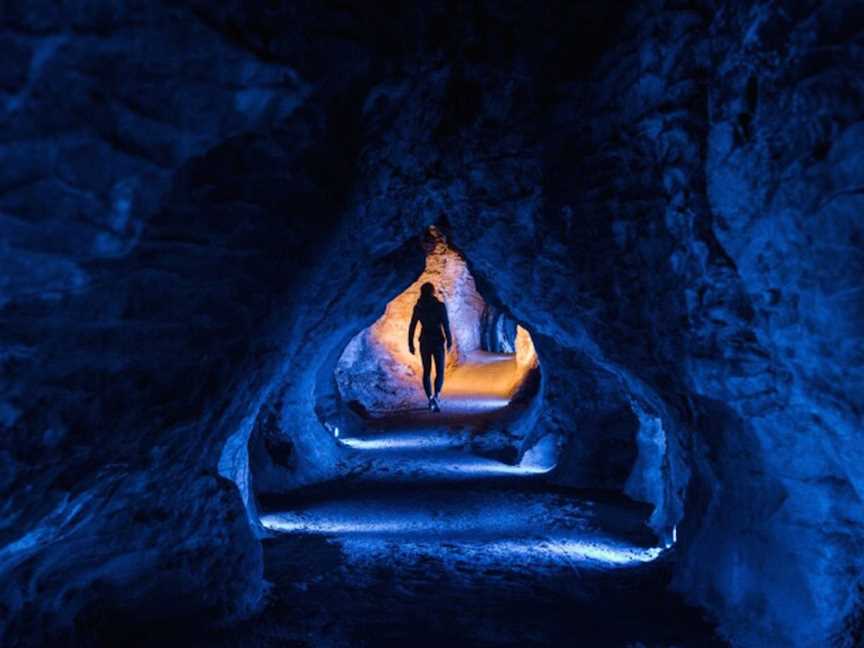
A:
[424,543]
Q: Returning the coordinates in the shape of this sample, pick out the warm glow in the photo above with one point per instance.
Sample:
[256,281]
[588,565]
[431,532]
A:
[455,287]
[486,374]
[526,356]
[377,368]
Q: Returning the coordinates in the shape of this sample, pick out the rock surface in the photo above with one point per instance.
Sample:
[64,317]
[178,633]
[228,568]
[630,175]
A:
[377,370]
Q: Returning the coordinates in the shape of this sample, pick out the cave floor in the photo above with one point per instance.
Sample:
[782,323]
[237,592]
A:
[508,561]
[474,390]
[467,439]
[423,543]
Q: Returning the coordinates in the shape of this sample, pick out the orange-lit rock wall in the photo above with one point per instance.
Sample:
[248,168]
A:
[526,356]
[376,368]
[454,285]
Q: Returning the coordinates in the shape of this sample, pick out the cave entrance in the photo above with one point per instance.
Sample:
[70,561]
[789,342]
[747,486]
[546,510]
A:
[492,371]
[476,484]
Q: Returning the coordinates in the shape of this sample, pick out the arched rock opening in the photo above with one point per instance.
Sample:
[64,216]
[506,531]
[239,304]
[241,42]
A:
[377,373]
[588,420]
[283,457]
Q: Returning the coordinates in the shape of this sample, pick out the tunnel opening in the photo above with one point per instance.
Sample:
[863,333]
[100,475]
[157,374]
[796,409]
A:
[491,376]
[493,470]
[335,449]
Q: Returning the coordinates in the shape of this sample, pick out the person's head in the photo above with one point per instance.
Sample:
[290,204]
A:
[427,291]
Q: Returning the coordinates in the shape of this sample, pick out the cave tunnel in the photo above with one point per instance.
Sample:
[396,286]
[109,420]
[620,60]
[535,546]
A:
[490,359]
[643,221]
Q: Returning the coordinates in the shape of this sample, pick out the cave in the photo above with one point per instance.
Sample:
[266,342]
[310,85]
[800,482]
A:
[643,221]
[492,370]
[491,358]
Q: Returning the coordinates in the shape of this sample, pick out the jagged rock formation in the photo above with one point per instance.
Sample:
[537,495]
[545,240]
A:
[376,369]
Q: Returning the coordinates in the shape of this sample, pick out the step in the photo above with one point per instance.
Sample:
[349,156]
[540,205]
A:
[495,525]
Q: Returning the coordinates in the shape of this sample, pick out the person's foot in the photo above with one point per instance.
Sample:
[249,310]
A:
[433,404]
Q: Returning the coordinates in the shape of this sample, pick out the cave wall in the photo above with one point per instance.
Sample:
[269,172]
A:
[742,117]
[497,331]
[123,500]
[155,215]
[784,170]
[596,425]
[376,371]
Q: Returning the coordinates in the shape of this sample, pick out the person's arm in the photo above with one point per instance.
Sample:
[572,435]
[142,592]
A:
[411,329]
[446,324]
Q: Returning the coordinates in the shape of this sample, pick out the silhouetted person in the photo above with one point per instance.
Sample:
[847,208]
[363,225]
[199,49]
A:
[432,314]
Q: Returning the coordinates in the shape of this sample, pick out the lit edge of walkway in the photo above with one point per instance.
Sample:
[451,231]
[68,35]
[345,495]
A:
[609,554]
[557,549]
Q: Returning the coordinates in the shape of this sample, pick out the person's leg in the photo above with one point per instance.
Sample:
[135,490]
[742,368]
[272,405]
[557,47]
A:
[426,360]
[439,368]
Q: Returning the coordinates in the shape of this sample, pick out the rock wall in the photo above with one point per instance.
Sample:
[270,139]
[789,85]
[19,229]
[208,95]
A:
[784,170]
[376,371]
[738,122]
[150,240]
[590,413]
[497,331]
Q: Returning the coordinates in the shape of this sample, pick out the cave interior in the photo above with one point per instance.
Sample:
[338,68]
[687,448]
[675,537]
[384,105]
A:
[215,221]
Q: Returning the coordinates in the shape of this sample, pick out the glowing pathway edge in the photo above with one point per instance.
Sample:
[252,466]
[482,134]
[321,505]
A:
[555,549]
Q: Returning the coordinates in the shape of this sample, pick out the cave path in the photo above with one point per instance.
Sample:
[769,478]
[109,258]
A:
[423,542]
[418,445]
[473,389]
